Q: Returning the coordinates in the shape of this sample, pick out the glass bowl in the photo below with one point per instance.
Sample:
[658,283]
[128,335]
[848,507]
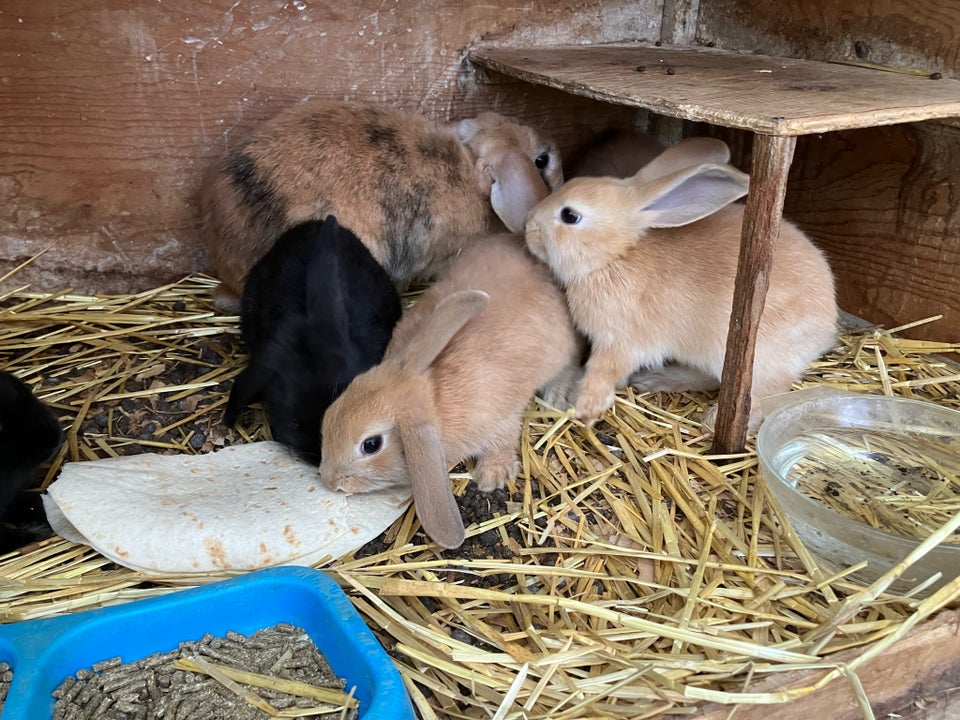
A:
[831,458]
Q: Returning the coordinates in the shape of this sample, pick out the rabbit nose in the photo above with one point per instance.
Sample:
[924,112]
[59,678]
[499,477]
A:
[328,478]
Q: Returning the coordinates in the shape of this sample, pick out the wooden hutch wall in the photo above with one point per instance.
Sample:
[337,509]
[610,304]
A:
[884,203]
[109,112]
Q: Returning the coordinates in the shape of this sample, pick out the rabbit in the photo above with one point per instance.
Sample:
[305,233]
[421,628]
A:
[317,310]
[30,434]
[648,266]
[461,368]
[413,191]
[615,153]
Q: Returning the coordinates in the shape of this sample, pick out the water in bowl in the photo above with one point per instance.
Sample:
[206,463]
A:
[907,483]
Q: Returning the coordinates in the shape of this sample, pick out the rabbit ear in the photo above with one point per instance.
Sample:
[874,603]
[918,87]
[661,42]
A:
[451,314]
[686,153]
[691,194]
[432,494]
[517,187]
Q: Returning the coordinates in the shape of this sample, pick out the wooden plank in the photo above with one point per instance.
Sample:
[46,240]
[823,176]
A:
[925,665]
[774,96]
[761,225]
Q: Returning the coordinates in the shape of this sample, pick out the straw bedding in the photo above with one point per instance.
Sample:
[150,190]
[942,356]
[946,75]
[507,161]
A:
[625,572]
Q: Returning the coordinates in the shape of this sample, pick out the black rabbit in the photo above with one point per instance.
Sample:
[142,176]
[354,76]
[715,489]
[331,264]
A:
[29,436]
[316,311]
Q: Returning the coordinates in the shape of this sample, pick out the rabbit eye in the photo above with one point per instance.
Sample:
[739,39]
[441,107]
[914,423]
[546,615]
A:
[542,161]
[570,216]
[371,445]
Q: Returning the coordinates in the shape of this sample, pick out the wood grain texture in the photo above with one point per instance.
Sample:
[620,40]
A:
[882,203]
[110,110]
[772,156]
[913,676]
[921,34]
[680,21]
[773,96]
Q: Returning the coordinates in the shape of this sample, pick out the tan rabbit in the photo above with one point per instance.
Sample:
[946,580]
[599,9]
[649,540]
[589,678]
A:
[648,266]
[460,369]
[414,192]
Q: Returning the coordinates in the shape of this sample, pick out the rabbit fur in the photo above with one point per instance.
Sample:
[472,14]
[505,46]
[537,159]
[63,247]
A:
[615,152]
[29,436]
[317,310]
[460,369]
[413,191]
[648,266]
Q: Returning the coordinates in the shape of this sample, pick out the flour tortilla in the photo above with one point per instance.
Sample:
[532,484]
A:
[241,508]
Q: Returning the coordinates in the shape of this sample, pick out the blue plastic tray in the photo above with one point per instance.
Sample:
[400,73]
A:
[43,652]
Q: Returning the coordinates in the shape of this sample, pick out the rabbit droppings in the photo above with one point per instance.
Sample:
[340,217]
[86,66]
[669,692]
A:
[648,266]
[414,192]
[460,369]
[317,310]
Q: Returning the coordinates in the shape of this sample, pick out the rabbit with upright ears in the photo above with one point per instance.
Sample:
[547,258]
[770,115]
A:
[413,191]
[317,310]
[461,368]
[648,266]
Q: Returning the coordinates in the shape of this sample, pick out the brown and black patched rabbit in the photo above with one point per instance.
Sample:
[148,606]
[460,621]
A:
[415,192]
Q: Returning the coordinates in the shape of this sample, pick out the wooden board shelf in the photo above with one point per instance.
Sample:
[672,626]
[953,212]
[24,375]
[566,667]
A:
[767,95]
[777,99]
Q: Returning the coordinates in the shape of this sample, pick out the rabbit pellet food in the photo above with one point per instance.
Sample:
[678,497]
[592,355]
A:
[6,677]
[153,688]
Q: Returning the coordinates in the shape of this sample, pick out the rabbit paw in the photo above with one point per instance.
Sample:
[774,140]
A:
[561,389]
[493,471]
[592,400]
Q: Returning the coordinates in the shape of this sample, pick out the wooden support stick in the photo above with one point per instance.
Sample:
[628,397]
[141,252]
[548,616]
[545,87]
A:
[772,155]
